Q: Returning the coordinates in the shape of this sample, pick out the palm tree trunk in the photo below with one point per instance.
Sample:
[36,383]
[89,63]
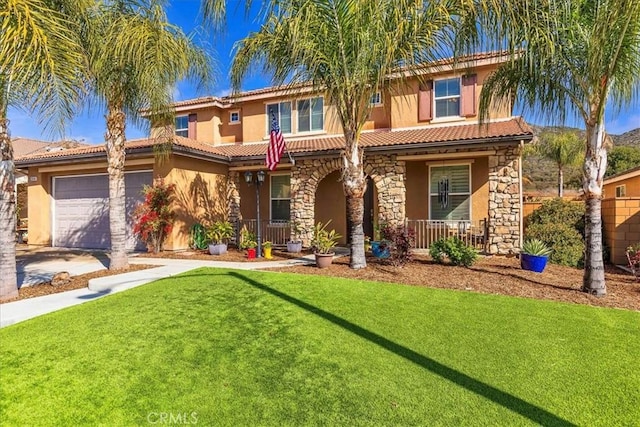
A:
[560,182]
[115,138]
[593,174]
[8,275]
[354,184]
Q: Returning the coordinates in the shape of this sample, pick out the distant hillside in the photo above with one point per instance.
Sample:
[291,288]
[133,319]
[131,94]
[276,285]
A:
[540,175]
[628,138]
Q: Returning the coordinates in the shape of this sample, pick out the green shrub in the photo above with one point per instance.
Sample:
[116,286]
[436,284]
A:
[565,241]
[458,252]
[556,211]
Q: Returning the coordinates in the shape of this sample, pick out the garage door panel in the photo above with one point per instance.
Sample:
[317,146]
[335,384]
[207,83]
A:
[82,210]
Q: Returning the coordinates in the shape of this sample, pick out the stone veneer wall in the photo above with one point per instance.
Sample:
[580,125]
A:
[388,175]
[504,201]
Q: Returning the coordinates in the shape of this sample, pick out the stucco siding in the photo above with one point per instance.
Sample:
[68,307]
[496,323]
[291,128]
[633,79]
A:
[201,189]
[331,205]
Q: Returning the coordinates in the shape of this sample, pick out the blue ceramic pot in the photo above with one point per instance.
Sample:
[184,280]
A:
[380,251]
[534,263]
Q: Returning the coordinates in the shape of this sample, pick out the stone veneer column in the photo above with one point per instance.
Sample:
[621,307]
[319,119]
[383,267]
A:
[388,174]
[233,197]
[305,176]
[504,201]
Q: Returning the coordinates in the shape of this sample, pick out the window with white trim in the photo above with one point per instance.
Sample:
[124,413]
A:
[447,97]
[280,197]
[376,99]
[621,191]
[311,114]
[450,193]
[282,111]
[234,117]
[182,126]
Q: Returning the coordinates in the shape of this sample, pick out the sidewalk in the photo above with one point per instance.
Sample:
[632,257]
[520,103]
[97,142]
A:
[18,311]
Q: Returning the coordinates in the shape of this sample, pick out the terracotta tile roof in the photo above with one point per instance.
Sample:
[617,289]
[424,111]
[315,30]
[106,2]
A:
[514,128]
[98,150]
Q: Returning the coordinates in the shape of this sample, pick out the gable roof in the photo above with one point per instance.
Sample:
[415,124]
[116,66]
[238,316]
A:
[380,140]
[621,176]
[24,146]
[442,65]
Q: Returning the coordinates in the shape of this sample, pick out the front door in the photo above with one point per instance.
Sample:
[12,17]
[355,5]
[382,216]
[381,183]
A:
[367,220]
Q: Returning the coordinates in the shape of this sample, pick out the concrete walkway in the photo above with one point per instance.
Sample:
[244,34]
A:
[18,311]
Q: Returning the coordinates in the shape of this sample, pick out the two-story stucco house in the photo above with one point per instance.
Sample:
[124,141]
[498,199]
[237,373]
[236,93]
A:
[427,160]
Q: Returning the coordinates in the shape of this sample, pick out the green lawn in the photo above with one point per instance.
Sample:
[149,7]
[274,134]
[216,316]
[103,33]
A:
[244,348]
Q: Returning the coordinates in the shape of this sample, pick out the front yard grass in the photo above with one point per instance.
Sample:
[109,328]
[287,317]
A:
[245,348]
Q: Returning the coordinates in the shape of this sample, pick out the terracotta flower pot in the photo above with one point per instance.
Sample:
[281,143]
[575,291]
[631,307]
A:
[324,260]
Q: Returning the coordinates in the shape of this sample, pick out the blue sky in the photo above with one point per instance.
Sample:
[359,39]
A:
[89,125]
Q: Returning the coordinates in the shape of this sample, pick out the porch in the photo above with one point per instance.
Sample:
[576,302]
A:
[474,195]
[473,233]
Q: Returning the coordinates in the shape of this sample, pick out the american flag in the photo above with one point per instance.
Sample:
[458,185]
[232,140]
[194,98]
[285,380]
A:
[276,144]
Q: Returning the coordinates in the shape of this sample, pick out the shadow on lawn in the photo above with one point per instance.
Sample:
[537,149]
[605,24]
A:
[509,401]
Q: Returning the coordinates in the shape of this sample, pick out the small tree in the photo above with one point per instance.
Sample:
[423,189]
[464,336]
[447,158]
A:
[153,218]
[563,148]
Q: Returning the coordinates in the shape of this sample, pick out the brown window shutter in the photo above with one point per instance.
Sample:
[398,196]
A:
[425,101]
[193,122]
[468,95]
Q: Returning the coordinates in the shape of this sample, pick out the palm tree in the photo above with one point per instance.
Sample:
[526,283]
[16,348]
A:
[571,58]
[563,148]
[346,49]
[135,58]
[41,71]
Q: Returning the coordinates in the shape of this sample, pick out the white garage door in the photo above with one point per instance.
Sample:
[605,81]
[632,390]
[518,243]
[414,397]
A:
[81,209]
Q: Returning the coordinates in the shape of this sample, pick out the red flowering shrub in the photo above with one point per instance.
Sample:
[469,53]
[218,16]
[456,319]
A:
[153,219]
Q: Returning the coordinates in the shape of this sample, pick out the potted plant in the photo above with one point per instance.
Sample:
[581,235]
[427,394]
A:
[380,246]
[534,255]
[295,244]
[248,242]
[218,233]
[323,243]
[266,247]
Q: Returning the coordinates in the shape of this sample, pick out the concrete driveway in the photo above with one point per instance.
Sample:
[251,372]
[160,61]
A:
[37,264]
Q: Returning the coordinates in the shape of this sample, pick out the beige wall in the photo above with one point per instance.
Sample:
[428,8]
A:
[331,205]
[632,187]
[621,217]
[201,195]
[417,187]
[404,103]
[399,109]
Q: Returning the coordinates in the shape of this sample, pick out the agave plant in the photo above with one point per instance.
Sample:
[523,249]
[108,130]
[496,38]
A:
[536,247]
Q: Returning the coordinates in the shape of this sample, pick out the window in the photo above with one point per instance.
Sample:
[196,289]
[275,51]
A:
[310,115]
[621,191]
[447,97]
[450,193]
[376,99]
[280,197]
[234,117]
[282,111]
[182,126]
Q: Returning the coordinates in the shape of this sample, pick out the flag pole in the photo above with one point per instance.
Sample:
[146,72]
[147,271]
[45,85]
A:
[291,159]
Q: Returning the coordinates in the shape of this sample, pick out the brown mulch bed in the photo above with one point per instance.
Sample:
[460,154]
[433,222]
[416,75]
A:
[492,275]
[76,282]
[232,255]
